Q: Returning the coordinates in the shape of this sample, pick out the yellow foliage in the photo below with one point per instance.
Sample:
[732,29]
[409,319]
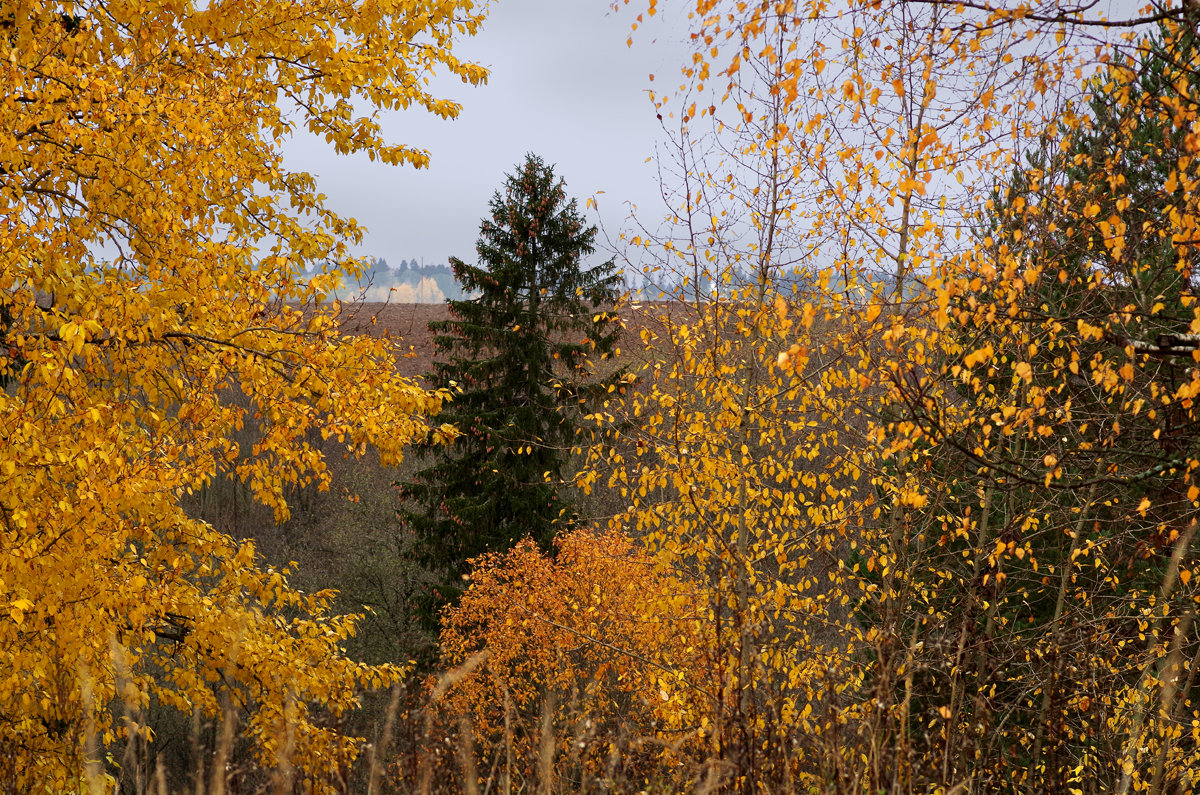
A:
[945,535]
[150,245]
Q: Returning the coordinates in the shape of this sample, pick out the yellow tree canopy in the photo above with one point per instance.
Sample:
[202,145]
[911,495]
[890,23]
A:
[950,539]
[150,244]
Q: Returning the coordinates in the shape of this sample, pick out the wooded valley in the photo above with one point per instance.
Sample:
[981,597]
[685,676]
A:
[895,490]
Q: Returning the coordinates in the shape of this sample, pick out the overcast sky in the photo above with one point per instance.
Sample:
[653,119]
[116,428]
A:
[563,85]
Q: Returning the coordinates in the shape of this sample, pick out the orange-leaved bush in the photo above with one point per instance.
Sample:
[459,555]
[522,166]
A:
[595,660]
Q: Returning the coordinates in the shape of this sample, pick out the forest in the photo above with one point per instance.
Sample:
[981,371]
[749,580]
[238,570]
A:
[895,487]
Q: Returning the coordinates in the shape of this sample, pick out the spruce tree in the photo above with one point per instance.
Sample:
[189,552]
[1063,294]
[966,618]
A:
[519,358]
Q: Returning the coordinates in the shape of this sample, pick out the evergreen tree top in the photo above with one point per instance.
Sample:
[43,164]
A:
[532,246]
[518,358]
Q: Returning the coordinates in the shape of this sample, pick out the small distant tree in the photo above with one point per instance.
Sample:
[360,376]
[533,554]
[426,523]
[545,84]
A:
[378,272]
[519,358]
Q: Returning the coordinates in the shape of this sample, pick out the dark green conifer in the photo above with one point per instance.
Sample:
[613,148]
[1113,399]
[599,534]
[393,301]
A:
[520,359]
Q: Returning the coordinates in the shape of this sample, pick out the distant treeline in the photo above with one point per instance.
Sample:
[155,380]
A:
[662,284]
[410,281]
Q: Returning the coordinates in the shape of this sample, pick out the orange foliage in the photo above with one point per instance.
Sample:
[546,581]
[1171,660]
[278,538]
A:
[597,634]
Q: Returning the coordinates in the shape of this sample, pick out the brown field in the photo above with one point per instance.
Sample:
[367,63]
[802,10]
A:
[407,324]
